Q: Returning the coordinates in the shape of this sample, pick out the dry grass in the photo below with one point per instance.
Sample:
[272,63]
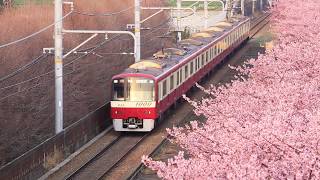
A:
[26,119]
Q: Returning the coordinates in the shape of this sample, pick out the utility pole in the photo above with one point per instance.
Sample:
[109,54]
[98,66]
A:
[179,19]
[253,6]
[261,5]
[229,5]
[137,30]
[242,7]
[206,16]
[58,66]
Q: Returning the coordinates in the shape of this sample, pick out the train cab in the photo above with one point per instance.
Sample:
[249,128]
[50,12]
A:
[133,105]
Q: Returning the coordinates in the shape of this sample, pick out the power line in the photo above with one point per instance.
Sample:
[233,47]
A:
[28,65]
[103,14]
[28,89]
[34,34]
[76,59]
[28,80]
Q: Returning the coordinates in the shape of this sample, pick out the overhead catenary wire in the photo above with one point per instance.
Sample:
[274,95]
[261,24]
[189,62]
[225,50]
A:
[35,33]
[103,14]
[52,71]
[74,60]
[24,67]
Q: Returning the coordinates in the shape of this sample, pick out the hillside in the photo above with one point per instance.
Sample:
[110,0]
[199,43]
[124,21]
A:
[27,109]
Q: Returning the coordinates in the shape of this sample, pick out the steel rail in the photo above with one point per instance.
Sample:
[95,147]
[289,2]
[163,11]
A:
[125,155]
[93,159]
[102,153]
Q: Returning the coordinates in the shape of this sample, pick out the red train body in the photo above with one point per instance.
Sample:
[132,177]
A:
[148,88]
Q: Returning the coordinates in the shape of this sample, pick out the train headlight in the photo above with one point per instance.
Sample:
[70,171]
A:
[116,112]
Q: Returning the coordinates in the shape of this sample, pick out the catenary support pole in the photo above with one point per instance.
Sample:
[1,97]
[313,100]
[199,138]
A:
[137,30]
[253,6]
[58,66]
[206,16]
[179,20]
[242,7]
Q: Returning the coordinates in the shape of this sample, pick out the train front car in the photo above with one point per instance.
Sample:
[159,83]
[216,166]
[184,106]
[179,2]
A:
[133,107]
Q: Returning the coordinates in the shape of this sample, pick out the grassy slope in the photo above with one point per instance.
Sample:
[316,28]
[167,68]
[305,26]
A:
[213,5]
[22,2]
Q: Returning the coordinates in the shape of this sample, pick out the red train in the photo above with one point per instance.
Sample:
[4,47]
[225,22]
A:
[144,91]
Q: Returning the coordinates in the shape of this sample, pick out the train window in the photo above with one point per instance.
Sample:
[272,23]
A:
[139,89]
[191,68]
[196,64]
[181,75]
[171,82]
[227,41]
[186,72]
[159,91]
[118,89]
[164,88]
[212,53]
[207,56]
[202,60]
[215,50]
[177,80]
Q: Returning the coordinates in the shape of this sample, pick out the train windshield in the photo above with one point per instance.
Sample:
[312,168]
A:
[133,89]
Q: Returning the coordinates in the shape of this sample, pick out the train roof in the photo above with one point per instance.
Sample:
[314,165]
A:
[165,59]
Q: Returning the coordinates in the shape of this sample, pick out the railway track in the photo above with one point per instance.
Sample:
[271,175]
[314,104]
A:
[109,157]
[106,160]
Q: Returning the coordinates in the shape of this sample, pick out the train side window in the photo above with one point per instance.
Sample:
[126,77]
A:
[191,67]
[164,88]
[234,37]
[178,77]
[212,53]
[196,64]
[186,72]
[171,82]
[207,56]
[227,41]
[159,91]
[202,60]
[231,38]
[215,50]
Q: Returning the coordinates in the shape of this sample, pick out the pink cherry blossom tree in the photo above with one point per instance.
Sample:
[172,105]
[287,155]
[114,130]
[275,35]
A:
[266,126]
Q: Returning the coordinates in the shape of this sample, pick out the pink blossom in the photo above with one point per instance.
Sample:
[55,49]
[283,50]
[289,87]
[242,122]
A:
[266,126]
